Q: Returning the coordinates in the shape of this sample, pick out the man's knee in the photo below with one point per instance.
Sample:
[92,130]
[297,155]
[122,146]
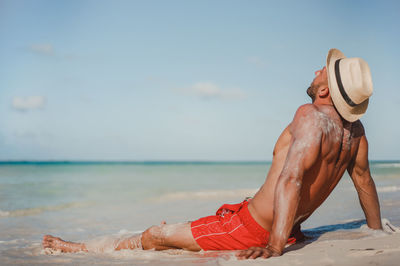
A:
[152,238]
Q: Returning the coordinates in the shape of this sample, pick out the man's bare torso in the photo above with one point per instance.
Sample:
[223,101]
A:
[339,145]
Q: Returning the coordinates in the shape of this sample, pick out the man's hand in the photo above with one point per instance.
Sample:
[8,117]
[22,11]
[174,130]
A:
[255,252]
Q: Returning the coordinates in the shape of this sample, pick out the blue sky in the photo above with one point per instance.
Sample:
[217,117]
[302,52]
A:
[181,80]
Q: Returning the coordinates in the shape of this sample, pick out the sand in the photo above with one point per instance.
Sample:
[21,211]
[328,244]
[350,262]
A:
[355,249]
[372,251]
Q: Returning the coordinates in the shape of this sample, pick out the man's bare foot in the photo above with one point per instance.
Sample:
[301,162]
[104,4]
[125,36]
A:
[57,244]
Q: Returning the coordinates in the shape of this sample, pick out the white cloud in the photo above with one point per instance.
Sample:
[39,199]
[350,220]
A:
[255,60]
[28,103]
[42,48]
[209,90]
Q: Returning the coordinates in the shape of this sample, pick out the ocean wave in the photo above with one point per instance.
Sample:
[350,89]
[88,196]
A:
[207,194]
[388,189]
[38,210]
[387,165]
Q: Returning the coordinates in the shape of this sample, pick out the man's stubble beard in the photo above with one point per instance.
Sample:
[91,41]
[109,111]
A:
[312,91]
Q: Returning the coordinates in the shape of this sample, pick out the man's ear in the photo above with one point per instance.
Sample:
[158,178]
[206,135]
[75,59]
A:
[324,92]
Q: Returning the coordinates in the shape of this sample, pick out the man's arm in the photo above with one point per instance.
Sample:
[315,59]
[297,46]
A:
[303,153]
[365,186]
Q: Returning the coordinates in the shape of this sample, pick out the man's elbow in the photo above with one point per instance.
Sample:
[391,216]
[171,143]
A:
[366,181]
[363,180]
[296,181]
[290,183]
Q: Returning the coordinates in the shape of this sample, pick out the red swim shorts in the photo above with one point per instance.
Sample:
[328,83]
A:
[232,228]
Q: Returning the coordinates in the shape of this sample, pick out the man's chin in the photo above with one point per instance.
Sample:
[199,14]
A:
[311,94]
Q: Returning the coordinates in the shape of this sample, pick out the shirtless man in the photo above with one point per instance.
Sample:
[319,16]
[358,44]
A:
[311,155]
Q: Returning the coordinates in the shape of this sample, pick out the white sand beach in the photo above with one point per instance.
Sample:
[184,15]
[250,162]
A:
[383,250]
[346,247]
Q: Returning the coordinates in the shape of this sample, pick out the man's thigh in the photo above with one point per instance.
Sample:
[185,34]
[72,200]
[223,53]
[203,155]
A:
[179,236]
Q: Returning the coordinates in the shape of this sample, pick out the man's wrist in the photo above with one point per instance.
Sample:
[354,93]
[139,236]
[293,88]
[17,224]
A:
[375,226]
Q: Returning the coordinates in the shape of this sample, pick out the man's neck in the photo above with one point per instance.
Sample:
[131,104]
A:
[323,101]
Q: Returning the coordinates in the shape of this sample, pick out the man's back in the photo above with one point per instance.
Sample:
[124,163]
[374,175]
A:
[315,129]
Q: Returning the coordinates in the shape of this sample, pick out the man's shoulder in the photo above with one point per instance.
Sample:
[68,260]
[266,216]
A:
[305,110]
[358,129]
[357,124]
[306,119]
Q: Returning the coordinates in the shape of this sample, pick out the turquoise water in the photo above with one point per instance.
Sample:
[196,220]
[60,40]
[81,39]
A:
[79,201]
[25,186]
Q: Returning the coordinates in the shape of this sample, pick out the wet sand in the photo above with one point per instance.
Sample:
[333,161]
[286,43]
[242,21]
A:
[344,247]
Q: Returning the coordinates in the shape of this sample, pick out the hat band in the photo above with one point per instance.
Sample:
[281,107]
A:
[340,85]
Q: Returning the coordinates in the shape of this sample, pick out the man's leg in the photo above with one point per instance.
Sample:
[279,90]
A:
[170,236]
[58,244]
[165,236]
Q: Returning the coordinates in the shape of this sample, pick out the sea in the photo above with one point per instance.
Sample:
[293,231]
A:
[96,201]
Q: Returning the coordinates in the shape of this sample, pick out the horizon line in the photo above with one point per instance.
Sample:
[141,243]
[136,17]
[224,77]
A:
[134,161]
[151,161]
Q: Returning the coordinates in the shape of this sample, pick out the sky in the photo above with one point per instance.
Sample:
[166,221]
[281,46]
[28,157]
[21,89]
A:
[182,80]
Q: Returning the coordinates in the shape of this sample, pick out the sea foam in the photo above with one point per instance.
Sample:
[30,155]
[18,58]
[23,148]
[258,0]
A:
[388,189]
[38,210]
[387,165]
[207,194]
[381,189]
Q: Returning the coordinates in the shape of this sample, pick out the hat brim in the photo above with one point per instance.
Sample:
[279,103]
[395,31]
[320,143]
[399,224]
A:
[348,112]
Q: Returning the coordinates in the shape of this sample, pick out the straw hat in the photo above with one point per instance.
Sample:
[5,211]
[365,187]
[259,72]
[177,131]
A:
[350,84]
